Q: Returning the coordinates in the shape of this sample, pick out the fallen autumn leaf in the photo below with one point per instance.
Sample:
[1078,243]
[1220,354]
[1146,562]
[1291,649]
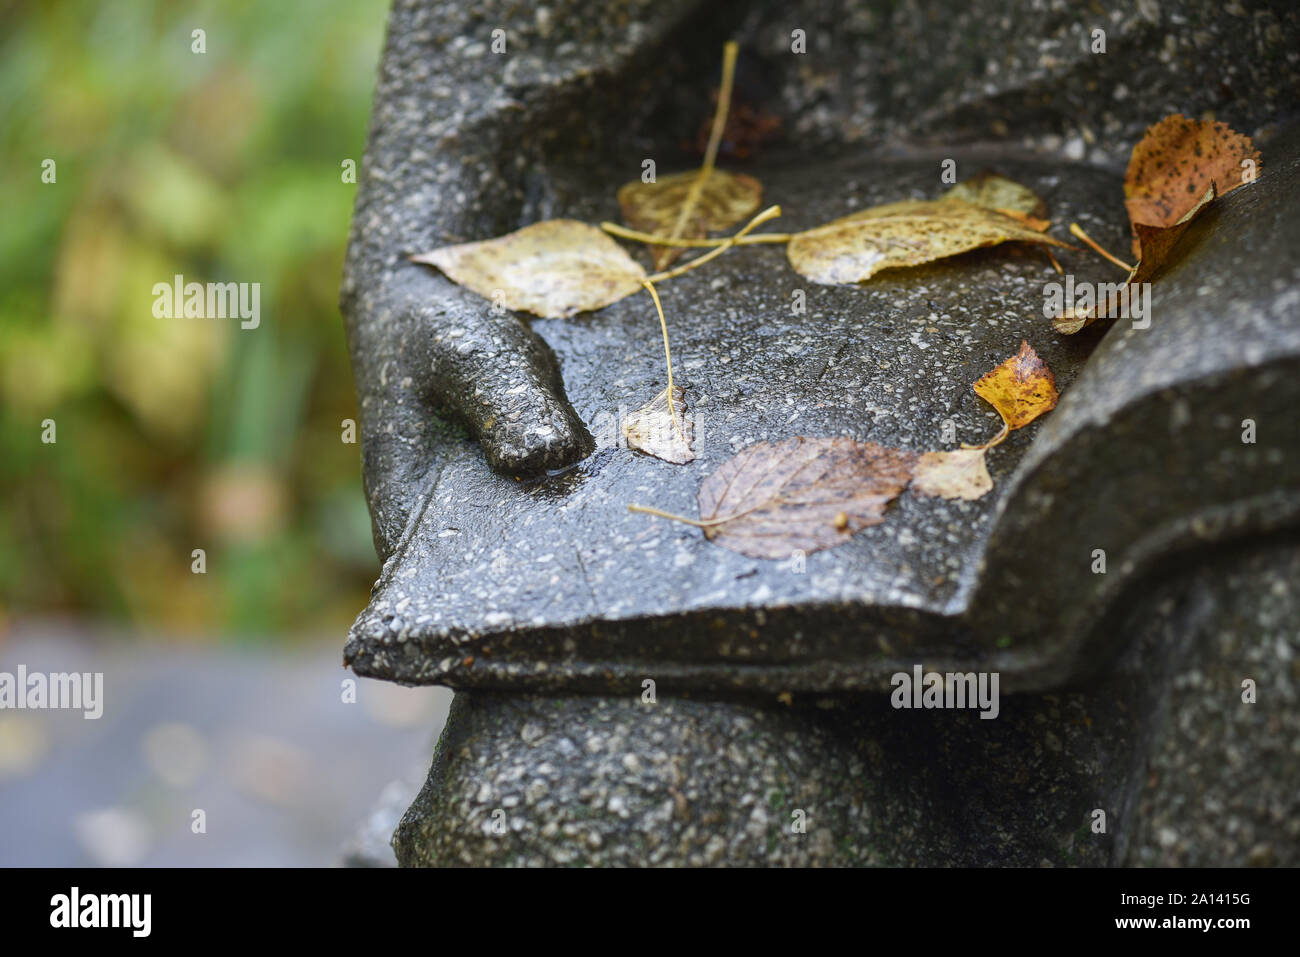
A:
[802,494]
[553,269]
[992,191]
[961,473]
[722,200]
[1176,162]
[857,246]
[1021,389]
[1154,244]
[655,430]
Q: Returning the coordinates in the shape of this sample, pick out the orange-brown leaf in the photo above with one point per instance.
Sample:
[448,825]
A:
[1176,162]
[1154,245]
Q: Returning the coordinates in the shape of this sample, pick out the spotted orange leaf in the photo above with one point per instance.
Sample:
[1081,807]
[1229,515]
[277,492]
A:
[1176,162]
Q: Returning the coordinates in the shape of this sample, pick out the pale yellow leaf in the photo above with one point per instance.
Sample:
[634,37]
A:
[651,429]
[909,233]
[997,192]
[554,268]
[724,200]
[961,473]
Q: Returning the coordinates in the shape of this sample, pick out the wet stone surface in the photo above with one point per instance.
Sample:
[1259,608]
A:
[552,583]
[496,577]
[1159,762]
[891,362]
[499,494]
[1221,781]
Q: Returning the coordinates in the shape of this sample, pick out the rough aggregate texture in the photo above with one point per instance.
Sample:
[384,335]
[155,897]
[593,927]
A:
[1220,785]
[1162,745]
[553,583]
[498,489]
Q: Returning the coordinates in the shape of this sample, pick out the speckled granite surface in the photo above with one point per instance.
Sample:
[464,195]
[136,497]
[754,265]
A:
[511,562]
[553,583]
[1184,771]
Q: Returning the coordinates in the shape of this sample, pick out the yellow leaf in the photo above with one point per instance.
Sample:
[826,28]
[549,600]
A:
[553,269]
[909,233]
[724,199]
[1021,389]
[992,191]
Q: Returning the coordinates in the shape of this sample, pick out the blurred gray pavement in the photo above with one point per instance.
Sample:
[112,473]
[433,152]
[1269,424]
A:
[284,770]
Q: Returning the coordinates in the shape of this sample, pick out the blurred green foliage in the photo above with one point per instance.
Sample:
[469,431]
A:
[176,434]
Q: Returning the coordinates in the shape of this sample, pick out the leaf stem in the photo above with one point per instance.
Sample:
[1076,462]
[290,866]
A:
[622,232]
[668,359]
[770,213]
[996,440]
[729,52]
[698,523]
[1077,231]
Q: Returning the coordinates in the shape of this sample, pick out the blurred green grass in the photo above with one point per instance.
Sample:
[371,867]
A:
[176,434]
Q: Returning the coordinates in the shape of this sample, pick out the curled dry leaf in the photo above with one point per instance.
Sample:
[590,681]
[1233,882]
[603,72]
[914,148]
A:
[1021,389]
[961,473]
[652,430]
[1176,163]
[909,233]
[1153,244]
[992,191]
[724,199]
[1176,170]
[802,494]
[553,269]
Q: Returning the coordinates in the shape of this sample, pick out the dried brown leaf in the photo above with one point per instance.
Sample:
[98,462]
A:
[1153,244]
[802,494]
[961,473]
[651,429]
[1177,161]
[724,200]
[909,233]
[554,268]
